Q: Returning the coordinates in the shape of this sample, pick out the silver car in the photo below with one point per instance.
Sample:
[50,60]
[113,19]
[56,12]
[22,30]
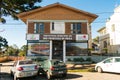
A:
[23,68]
[111,64]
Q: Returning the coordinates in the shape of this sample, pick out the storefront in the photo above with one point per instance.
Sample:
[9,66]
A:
[57,31]
[57,46]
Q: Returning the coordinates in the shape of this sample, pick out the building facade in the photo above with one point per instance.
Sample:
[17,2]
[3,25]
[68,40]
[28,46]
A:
[57,31]
[109,35]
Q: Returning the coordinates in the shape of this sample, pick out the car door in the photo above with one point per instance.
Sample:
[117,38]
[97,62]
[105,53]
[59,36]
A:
[116,65]
[107,65]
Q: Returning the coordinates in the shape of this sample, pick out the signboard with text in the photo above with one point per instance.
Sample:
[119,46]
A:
[81,37]
[32,36]
[57,37]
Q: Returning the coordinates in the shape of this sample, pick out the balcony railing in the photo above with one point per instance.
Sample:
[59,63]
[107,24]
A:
[105,36]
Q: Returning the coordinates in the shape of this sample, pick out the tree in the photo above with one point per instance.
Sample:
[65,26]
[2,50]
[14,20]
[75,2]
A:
[96,40]
[13,50]
[23,50]
[3,44]
[13,7]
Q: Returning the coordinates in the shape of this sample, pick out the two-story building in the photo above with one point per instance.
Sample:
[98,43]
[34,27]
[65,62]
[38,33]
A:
[109,35]
[58,31]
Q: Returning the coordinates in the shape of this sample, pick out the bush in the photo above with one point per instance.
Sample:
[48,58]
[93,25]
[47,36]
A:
[88,59]
[91,70]
[69,59]
[78,59]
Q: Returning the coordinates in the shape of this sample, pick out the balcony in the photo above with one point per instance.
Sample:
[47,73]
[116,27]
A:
[103,37]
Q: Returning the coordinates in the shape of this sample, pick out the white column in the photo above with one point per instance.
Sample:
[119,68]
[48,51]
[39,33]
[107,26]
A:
[64,51]
[50,56]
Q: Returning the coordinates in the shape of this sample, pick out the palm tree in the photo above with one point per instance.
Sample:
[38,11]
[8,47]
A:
[13,7]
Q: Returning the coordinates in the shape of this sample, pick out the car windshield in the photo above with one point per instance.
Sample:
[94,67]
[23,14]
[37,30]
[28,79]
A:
[56,62]
[25,62]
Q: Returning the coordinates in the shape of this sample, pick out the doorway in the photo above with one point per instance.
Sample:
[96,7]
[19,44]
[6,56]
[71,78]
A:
[57,49]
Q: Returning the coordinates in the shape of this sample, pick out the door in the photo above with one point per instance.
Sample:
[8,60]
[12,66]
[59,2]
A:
[116,65]
[108,65]
[57,49]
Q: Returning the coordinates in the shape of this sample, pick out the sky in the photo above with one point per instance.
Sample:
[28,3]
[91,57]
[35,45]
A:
[15,31]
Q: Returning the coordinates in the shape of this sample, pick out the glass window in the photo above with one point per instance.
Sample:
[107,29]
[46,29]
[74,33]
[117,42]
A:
[110,60]
[38,49]
[117,59]
[25,62]
[76,28]
[105,44]
[39,28]
[76,48]
[113,28]
[52,25]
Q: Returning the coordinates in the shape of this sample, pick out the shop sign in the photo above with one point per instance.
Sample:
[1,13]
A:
[82,37]
[57,37]
[32,37]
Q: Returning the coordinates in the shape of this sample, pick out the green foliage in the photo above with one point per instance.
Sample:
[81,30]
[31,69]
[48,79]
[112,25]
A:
[69,59]
[83,70]
[78,59]
[24,48]
[96,39]
[21,53]
[88,59]
[105,49]
[13,50]
[3,43]
[13,7]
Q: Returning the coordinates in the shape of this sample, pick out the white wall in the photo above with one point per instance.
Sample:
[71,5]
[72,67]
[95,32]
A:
[59,28]
[114,20]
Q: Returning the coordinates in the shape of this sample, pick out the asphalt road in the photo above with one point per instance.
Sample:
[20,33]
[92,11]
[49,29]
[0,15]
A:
[5,75]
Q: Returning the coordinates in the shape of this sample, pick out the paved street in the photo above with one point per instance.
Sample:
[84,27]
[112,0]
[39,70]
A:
[71,76]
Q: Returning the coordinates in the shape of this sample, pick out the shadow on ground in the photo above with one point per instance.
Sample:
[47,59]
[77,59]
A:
[6,76]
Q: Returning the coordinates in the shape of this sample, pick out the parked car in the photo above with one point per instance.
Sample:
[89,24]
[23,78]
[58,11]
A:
[23,68]
[111,64]
[54,68]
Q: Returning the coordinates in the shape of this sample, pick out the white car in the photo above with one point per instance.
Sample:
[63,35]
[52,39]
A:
[111,64]
[23,68]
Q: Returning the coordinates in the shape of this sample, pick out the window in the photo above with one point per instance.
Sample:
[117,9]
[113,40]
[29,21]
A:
[76,48]
[113,28]
[105,44]
[110,60]
[52,25]
[25,62]
[117,59]
[39,28]
[76,28]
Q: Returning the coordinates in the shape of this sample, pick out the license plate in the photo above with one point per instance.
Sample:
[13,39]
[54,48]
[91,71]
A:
[60,72]
[28,74]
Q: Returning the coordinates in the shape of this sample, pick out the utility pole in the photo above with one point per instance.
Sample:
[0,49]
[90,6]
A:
[0,72]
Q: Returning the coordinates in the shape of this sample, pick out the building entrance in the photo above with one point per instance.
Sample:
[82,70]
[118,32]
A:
[57,50]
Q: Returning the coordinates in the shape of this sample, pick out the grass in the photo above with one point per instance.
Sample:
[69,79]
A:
[82,70]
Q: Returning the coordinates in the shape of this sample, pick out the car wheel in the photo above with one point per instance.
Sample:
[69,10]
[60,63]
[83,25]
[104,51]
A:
[99,69]
[11,73]
[48,76]
[64,75]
